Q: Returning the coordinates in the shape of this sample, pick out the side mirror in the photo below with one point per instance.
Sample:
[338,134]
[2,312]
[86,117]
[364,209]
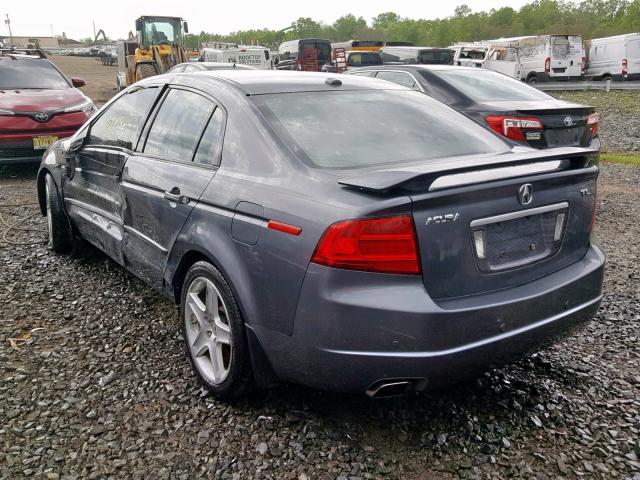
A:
[138,25]
[185,27]
[78,82]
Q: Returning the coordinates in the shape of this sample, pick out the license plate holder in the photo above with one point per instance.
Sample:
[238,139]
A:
[42,142]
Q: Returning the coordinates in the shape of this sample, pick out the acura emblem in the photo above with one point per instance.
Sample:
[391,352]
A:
[568,121]
[41,116]
[525,194]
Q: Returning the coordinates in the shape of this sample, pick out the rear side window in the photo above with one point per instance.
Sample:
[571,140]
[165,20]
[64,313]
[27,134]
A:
[178,125]
[375,127]
[633,49]
[211,143]
[400,78]
[120,124]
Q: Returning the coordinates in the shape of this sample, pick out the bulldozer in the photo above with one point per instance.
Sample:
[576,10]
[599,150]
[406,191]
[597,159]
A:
[156,47]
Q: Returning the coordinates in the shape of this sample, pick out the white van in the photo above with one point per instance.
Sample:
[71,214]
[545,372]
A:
[614,57]
[500,57]
[252,55]
[548,57]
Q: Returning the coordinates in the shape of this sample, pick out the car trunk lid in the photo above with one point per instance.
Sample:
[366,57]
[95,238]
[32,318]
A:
[564,124]
[477,235]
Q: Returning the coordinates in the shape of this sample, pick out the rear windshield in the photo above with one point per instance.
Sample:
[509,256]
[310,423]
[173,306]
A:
[372,127]
[323,49]
[436,57]
[487,86]
[30,73]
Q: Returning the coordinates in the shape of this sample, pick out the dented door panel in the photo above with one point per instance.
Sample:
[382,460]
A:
[159,197]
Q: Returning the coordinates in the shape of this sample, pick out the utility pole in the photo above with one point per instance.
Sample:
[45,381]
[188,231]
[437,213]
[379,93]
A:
[8,22]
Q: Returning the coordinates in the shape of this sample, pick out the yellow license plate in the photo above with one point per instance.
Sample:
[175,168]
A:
[40,143]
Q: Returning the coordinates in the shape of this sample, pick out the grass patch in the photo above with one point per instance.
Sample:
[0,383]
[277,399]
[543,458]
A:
[624,158]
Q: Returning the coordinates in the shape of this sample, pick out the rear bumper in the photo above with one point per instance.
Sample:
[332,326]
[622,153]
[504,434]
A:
[351,336]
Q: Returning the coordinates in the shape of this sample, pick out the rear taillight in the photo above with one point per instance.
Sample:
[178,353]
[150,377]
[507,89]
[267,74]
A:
[547,65]
[593,122]
[584,64]
[385,245]
[514,128]
[625,64]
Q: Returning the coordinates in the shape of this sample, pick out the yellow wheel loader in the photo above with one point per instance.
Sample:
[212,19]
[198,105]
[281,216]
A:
[156,47]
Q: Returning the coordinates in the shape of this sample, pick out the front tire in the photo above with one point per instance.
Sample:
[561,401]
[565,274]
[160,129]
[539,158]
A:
[213,331]
[60,238]
[145,70]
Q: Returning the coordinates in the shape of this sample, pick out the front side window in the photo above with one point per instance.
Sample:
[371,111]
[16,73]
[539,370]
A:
[178,125]
[121,123]
[391,126]
[30,73]
[400,78]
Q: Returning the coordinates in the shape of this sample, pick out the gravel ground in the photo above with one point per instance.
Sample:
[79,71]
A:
[94,384]
[619,116]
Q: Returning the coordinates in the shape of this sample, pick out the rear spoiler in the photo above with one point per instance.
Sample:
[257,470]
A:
[383,180]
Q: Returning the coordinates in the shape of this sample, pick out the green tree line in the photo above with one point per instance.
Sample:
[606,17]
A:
[590,18]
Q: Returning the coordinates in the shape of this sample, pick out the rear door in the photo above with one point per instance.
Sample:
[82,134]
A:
[163,183]
[633,56]
[93,192]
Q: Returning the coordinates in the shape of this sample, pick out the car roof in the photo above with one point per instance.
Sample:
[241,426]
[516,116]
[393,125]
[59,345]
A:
[258,82]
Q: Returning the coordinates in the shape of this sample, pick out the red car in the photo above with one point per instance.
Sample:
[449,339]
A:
[38,105]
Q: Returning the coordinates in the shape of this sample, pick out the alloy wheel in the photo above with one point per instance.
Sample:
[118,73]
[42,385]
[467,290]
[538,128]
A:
[208,330]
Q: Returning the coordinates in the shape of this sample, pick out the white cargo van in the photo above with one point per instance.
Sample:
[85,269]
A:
[614,57]
[549,57]
[500,57]
[252,55]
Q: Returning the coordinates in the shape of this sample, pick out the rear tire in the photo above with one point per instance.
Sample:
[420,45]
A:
[60,238]
[145,70]
[532,79]
[214,333]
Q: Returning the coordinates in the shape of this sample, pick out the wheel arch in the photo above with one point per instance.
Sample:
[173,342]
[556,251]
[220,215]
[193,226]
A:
[263,371]
[40,186]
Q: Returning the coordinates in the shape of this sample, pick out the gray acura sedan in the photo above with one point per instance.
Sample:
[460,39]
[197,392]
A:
[345,233]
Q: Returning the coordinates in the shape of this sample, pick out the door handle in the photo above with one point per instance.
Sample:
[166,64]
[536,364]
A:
[175,197]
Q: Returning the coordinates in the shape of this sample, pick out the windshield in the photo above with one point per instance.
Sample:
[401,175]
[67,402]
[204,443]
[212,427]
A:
[487,86]
[436,57]
[161,31]
[360,59]
[30,73]
[374,127]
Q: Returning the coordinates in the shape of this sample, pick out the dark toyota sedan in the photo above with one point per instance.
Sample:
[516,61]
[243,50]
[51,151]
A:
[511,108]
[421,251]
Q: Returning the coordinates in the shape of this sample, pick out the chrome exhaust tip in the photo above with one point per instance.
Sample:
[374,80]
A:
[390,389]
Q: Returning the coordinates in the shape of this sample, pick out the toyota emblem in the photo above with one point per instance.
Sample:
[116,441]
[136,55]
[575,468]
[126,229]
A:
[41,116]
[525,194]
[568,121]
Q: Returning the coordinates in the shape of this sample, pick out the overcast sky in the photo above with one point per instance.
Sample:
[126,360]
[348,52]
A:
[116,17]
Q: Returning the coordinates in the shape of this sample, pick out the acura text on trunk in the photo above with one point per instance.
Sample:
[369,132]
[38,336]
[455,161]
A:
[419,252]
[38,106]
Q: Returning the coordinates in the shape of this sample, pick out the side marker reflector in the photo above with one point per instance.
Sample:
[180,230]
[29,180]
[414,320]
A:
[284,227]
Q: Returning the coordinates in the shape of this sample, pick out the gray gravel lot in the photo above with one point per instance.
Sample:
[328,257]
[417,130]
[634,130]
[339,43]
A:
[94,384]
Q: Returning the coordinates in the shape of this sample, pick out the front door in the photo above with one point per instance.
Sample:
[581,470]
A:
[163,183]
[92,189]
